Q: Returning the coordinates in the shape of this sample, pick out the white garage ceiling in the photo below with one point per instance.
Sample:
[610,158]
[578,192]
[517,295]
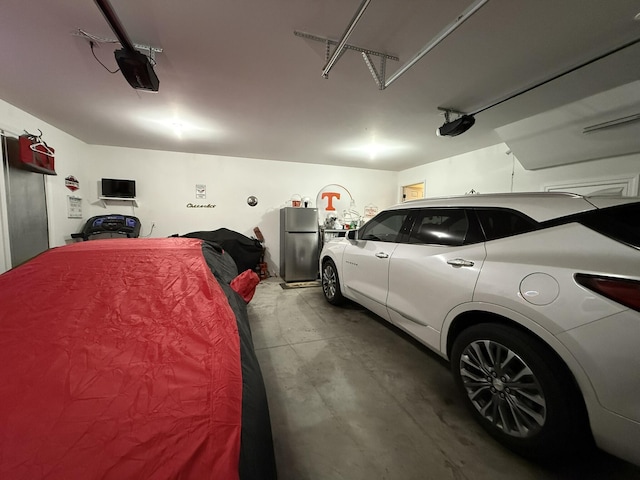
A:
[236,81]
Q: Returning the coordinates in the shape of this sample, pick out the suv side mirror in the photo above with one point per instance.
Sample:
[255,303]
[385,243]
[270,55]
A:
[352,234]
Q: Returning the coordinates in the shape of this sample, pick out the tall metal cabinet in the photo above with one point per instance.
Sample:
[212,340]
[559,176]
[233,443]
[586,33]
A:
[26,207]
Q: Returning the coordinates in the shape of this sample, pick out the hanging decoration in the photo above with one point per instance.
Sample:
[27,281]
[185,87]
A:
[34,154]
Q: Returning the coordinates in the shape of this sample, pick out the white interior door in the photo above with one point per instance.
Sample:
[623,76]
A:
[412,192]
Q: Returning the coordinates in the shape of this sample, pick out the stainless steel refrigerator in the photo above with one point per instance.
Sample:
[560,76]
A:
[299,241]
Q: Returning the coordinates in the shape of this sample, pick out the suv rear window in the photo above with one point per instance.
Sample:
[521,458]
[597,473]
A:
[622,223]
[445,226]
[440,227]
[501,223]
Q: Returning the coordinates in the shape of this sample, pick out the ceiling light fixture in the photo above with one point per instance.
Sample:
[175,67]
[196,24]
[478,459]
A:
[372,148]
[179,126]
[135,66]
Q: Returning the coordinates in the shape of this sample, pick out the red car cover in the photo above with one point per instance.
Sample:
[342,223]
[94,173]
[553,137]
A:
[245,284]
[119,359]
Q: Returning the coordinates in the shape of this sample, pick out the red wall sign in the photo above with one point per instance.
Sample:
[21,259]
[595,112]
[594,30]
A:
[72,183]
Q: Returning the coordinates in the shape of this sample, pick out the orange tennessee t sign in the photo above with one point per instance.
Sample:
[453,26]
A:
[333,200]
[330,196]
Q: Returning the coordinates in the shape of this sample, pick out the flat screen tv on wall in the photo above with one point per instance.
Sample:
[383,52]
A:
[113,187]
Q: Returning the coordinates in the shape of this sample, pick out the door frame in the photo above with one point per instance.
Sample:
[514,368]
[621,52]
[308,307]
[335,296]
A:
[422,185]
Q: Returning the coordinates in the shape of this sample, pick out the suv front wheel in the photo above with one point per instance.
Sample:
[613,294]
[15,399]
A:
[331,283]
[519,391]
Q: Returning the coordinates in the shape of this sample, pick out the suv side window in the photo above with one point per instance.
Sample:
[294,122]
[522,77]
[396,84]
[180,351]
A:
[620,222]
[501,223]
[442,226]
[384,227]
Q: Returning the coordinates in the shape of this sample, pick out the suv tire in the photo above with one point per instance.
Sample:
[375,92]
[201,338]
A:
[519,391]
[331,283]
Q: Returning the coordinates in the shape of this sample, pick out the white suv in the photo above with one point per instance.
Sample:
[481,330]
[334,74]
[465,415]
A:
[533,298]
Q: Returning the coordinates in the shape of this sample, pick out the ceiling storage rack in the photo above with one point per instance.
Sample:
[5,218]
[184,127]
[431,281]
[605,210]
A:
[379,76]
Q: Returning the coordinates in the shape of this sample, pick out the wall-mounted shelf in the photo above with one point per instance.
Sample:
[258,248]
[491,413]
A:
[106,200]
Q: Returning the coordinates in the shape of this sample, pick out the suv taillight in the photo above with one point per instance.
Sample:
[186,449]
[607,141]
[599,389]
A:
[621,290]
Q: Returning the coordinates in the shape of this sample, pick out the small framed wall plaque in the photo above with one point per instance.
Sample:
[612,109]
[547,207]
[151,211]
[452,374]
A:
[74,207]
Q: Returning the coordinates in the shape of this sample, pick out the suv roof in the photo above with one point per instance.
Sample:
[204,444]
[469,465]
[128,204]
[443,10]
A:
[540,206]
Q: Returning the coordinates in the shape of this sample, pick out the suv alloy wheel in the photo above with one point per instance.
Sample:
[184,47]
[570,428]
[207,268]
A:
[518,391]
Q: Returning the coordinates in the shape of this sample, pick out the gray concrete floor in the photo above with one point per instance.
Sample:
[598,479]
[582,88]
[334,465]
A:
[352,397]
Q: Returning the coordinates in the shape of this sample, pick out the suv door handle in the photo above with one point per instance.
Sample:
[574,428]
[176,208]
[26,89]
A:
[382,255]
[460,262]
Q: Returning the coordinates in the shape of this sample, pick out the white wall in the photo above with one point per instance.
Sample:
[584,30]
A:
[165,184]
[71,159]
[493,170]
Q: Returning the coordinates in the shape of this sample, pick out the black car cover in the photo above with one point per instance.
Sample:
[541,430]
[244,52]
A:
[245,251]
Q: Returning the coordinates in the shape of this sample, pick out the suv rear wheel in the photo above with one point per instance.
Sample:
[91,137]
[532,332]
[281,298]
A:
[519,391]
